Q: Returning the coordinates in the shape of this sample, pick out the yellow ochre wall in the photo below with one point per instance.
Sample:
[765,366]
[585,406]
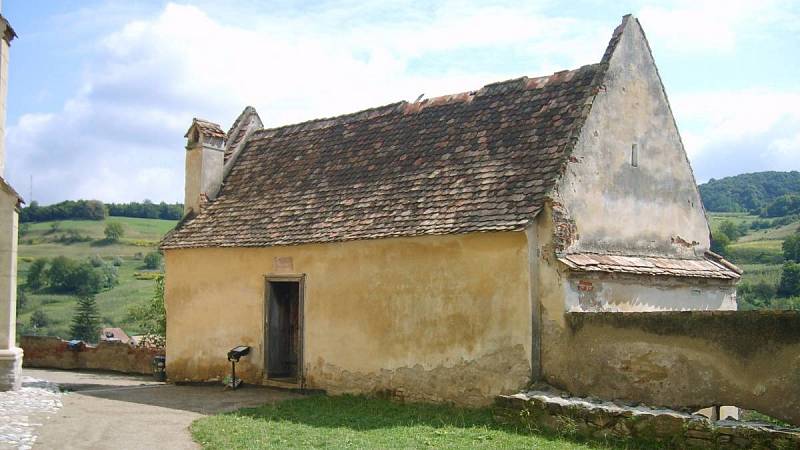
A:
[441,318]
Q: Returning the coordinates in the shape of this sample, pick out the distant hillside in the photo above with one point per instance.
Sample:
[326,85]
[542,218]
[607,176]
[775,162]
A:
[84,240]
[751,192]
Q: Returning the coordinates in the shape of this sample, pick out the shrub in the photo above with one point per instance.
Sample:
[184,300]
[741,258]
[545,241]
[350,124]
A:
[36,277]
[152,261]
[72,236]
[96,261]
[719,243]
[790,280]
[22,299]
[109,276]
[54,227]
[791,248]
[39,319]
[151,317]
[69,276]
[117,261]
[60,274]
[731,230]
[114,231]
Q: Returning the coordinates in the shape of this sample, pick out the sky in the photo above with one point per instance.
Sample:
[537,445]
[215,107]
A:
[101,92]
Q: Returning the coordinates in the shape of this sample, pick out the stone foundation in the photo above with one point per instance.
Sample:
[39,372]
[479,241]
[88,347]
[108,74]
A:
[10,369]
[597,420]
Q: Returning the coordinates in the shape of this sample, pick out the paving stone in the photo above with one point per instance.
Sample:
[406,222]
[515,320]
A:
[36,397]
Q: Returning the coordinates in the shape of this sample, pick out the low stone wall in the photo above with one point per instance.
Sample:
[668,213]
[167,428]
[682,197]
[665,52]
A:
[685,360]
[54,353]
[597,420]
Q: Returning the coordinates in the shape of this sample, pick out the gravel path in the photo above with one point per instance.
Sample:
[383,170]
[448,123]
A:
[21,412]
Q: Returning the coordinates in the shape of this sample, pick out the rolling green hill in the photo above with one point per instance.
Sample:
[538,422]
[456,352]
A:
[749,192]
[758,251]
[50,239]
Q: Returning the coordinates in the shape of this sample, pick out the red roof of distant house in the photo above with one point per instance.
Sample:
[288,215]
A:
[114,334]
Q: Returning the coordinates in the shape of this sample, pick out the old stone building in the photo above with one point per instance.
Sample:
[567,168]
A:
[432,249]
[10,354]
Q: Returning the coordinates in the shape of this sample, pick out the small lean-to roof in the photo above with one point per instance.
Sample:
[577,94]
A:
[471,162]
[711,266]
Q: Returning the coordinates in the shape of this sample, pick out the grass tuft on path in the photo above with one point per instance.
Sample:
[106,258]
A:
[359,422]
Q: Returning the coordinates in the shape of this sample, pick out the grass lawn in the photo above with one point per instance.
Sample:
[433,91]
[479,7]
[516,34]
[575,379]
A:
[360,422]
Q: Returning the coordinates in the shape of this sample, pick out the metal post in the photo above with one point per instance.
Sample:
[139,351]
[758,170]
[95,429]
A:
[233,374]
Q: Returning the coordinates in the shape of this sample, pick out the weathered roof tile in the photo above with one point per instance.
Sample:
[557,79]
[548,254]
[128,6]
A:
[469,162]
[709,266]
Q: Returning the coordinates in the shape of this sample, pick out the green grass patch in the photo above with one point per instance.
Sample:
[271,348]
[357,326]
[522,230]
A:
[716,218]
[755,273]
[773,234]
[359,422]
[141,236]
[135,228]
[756,252]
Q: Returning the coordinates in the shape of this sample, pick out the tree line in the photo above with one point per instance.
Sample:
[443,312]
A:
[768,194]
[97,210]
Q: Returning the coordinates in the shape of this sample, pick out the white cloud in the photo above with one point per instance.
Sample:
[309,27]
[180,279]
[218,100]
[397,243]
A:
[713,25]
[749,130]
[120,137]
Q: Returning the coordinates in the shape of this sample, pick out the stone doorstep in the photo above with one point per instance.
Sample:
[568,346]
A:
[600,419]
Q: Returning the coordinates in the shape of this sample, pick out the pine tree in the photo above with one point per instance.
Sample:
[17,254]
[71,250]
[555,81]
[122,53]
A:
[86,322]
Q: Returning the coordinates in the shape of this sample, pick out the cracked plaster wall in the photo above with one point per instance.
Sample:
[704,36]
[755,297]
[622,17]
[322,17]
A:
[652,209]
[444,318]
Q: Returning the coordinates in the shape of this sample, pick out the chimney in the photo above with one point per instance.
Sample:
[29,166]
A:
[205,155]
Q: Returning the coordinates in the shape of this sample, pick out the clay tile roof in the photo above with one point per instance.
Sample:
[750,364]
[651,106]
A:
[207,128]
[475,161]
[238,131]
[111,333]
[709,266]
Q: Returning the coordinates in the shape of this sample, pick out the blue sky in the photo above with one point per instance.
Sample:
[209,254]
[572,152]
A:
[101,92]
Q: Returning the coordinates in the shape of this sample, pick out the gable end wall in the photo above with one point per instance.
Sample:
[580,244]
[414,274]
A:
[652,209]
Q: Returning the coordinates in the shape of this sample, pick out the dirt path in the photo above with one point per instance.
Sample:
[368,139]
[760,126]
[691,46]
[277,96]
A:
[110,411]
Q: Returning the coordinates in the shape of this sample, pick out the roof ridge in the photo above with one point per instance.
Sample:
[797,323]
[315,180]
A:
[405,107]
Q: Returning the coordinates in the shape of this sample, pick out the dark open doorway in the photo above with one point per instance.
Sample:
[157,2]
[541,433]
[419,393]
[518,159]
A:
[284,333]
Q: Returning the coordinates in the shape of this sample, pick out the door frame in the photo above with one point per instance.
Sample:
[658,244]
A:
[300,279]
